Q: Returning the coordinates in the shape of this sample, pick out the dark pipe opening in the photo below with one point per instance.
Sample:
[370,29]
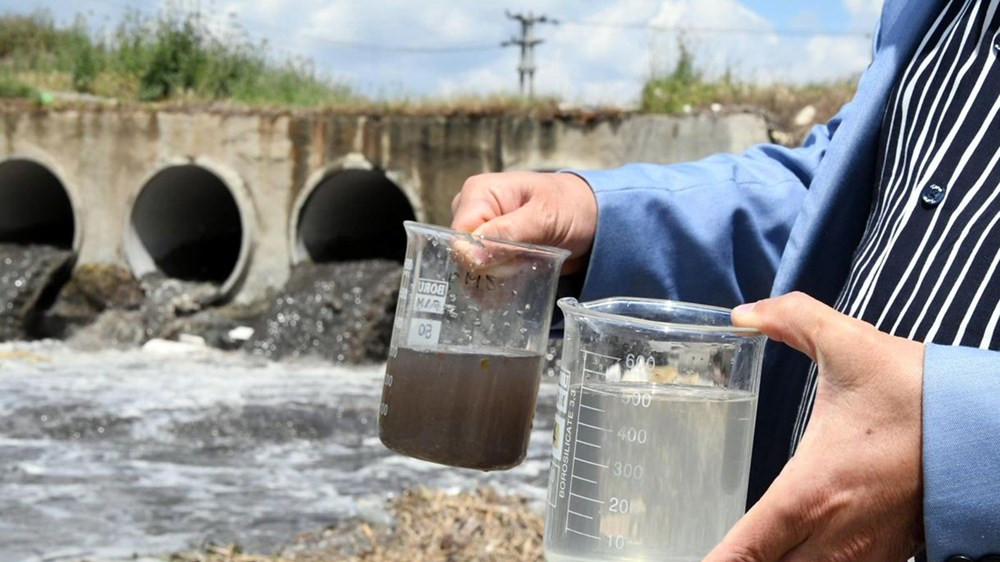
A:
[353,215]
[34,206]
[189,223]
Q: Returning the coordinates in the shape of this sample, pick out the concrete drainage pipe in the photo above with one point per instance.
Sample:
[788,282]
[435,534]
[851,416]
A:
[350,214]
[187,223]
[35,207]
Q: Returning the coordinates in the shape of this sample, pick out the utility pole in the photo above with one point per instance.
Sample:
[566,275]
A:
[527,42]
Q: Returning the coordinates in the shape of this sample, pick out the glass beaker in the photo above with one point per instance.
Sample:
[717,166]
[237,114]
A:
[468,347]
[653,431]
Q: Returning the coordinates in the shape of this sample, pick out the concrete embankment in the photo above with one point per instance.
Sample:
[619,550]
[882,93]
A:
[238,198]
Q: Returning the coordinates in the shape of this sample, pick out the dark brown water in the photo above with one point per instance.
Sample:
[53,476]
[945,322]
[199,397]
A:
[461,408]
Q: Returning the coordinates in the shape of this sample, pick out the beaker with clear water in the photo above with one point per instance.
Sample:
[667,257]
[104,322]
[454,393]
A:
[468,347]
[653,432]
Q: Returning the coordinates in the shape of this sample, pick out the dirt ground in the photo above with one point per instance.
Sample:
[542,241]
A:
[430,525]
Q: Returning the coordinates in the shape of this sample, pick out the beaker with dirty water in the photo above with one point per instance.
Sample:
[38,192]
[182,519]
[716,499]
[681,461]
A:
[653,433]
[468,347]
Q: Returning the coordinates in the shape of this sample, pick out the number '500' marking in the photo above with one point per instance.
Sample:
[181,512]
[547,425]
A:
[636,398]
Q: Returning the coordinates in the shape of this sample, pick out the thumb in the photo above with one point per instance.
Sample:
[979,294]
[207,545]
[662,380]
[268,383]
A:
[488,256]
[774,525]
[796,319]
[518,225]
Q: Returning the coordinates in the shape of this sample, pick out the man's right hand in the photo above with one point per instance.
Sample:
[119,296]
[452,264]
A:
[550,209]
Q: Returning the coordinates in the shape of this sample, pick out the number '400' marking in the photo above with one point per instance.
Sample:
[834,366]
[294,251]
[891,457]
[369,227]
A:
[633,435]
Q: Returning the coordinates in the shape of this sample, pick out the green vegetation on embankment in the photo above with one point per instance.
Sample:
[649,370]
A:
[171,56]
[176,57]
[687,88]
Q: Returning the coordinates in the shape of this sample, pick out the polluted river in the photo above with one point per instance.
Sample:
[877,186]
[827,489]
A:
[111,451]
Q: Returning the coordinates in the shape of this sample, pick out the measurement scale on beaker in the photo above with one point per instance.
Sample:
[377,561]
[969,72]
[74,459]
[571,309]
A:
[654,426]
[589,511]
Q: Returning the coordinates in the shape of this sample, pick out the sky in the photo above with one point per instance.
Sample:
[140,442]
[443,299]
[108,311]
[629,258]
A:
[600,52]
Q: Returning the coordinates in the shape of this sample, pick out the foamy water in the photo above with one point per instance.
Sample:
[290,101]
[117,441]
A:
[111,454]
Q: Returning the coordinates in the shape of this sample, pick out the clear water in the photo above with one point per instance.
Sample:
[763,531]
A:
[648,472]
[107,454]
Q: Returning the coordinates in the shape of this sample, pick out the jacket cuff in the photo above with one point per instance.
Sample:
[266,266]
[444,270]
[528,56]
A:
[961,452]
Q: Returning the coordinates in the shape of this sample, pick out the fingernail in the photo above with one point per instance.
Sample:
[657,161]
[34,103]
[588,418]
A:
[474,256]
[745,308]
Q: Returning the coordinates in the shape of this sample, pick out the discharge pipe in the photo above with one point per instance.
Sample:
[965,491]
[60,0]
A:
[350,214]
[35,207]
[189,224]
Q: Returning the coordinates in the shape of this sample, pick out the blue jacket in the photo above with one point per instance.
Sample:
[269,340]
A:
[736,228]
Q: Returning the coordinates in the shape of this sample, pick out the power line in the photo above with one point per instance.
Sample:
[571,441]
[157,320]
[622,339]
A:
[408,48]
[785,31]
[527,43]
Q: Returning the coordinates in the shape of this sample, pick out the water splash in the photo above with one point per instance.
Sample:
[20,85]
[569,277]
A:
[107,454]
[339,311]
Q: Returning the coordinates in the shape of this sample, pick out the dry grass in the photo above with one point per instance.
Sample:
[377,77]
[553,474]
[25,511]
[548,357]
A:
[790,109]
[430,526]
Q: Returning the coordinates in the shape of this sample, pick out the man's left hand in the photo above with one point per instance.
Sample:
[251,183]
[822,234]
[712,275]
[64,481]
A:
[853,490]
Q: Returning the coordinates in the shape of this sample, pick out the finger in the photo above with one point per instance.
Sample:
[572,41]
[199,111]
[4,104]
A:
[455,201]
[519,225]
[774,526]
[498,259]
[475,204]
[796,319]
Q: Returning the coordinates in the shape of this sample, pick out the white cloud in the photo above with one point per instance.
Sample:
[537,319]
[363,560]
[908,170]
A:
[485,79]
[863,12]
[579,63]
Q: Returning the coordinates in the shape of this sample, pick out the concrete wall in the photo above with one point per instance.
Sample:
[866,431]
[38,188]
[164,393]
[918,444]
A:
[268,160]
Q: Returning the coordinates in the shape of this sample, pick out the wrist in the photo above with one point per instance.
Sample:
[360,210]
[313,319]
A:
[584,203]
[577,199]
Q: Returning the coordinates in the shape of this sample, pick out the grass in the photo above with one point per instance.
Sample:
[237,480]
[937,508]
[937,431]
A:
[13,88]
[176,57]
[686,88]
[170,56]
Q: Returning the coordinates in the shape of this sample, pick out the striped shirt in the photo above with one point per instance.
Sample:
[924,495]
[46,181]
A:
[926,266]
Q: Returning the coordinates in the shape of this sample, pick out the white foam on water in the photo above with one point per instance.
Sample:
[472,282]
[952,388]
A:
[113,453]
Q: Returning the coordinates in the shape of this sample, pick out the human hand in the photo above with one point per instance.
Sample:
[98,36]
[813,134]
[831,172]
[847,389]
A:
[550,209]
[853,490]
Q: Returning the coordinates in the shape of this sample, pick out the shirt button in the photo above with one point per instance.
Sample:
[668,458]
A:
[932,195]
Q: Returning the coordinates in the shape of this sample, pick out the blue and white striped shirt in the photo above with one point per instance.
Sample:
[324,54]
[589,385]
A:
[926,267]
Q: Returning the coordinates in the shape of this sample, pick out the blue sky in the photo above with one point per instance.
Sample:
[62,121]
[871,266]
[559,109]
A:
[580,62]
[824,14]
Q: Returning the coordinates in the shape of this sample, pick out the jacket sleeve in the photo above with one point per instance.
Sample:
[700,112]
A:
[961,452]
[711,231]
